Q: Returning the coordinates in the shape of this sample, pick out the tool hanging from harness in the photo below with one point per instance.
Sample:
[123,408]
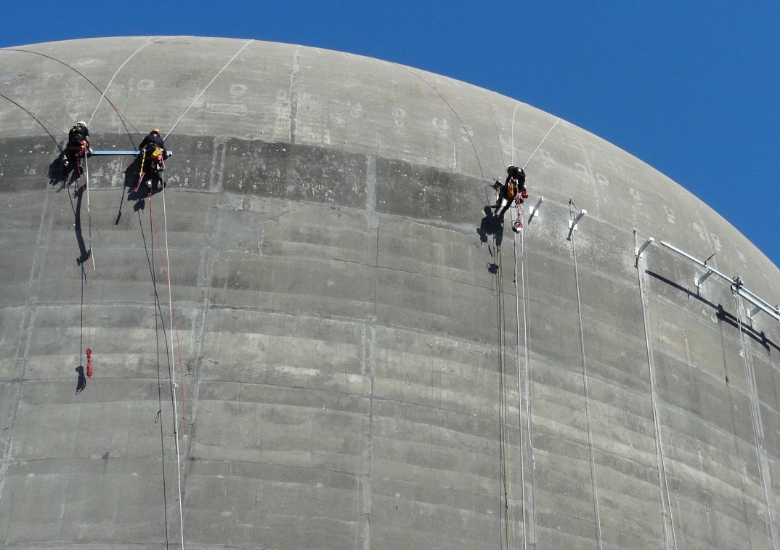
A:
[152,160]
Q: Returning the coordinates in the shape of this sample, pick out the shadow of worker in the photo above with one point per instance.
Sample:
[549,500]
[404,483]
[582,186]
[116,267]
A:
[83,252]
[61,175]
[491,226]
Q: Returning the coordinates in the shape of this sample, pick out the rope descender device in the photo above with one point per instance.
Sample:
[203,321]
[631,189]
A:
[89,363]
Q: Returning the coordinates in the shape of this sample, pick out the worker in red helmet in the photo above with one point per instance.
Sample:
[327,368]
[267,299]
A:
[153,139]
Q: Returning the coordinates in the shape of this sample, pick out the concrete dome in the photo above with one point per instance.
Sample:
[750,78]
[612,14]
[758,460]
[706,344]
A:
[359,368]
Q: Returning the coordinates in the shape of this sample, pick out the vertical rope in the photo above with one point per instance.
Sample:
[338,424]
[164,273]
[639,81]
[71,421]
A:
[519,391]
[529,395]
[172,312]
[663,483]
[158,417]
[758,430]
[503,447]
[495,122]
[585,386]
[742,473]
[172,377]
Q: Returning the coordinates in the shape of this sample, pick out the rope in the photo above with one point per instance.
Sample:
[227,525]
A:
[121,115]
[663,482]
[89,273]
[585,386]
[113,77]
[519,392]
[482,175]
[525,284]
[755,415]
[206,88]
[540,143]
[734,427]
[39,120]
[172,311]
[498,134]
[81,312]
[170,373]
[507,512]
[158,320]
[513,135]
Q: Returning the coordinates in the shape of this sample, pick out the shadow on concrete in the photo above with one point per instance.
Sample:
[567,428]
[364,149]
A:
[144,191]
[129,181]
[59,175]
[722,315]
[83,252]
[491,226]
[82,383]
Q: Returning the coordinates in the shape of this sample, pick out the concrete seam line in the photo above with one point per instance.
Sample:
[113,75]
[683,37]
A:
[207,87]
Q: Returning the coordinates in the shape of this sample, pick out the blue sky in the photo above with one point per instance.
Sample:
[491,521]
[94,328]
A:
[692,88]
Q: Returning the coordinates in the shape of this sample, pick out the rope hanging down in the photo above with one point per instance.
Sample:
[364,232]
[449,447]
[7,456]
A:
[588,423]
[122,117]
[160,322]
[663,483]
[171,371]
[39,120]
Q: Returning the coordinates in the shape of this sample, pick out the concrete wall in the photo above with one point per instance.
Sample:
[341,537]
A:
[358,368]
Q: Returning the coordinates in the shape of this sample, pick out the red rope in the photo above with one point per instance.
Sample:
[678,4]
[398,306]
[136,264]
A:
[89,314]
[173,311]
[89,363]
[120,113]
[36,117]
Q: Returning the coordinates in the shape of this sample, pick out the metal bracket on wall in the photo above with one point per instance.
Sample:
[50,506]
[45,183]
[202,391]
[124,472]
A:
[534,213]
[739,289]
[641,250]
[573,223]
[700,280]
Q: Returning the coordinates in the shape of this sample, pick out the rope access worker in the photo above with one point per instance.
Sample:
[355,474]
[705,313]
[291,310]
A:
[153,155]
[77,148]
[509,191]
[153,139]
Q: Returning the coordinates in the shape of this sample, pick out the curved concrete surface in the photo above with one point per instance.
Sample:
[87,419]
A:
[358,368]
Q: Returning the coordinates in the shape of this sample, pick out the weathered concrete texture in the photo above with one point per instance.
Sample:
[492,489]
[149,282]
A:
[343,380]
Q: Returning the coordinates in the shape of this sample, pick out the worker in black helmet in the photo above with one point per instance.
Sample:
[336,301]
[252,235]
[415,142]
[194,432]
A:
[512,190]
[513,173]
[77,148]
[153,155]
